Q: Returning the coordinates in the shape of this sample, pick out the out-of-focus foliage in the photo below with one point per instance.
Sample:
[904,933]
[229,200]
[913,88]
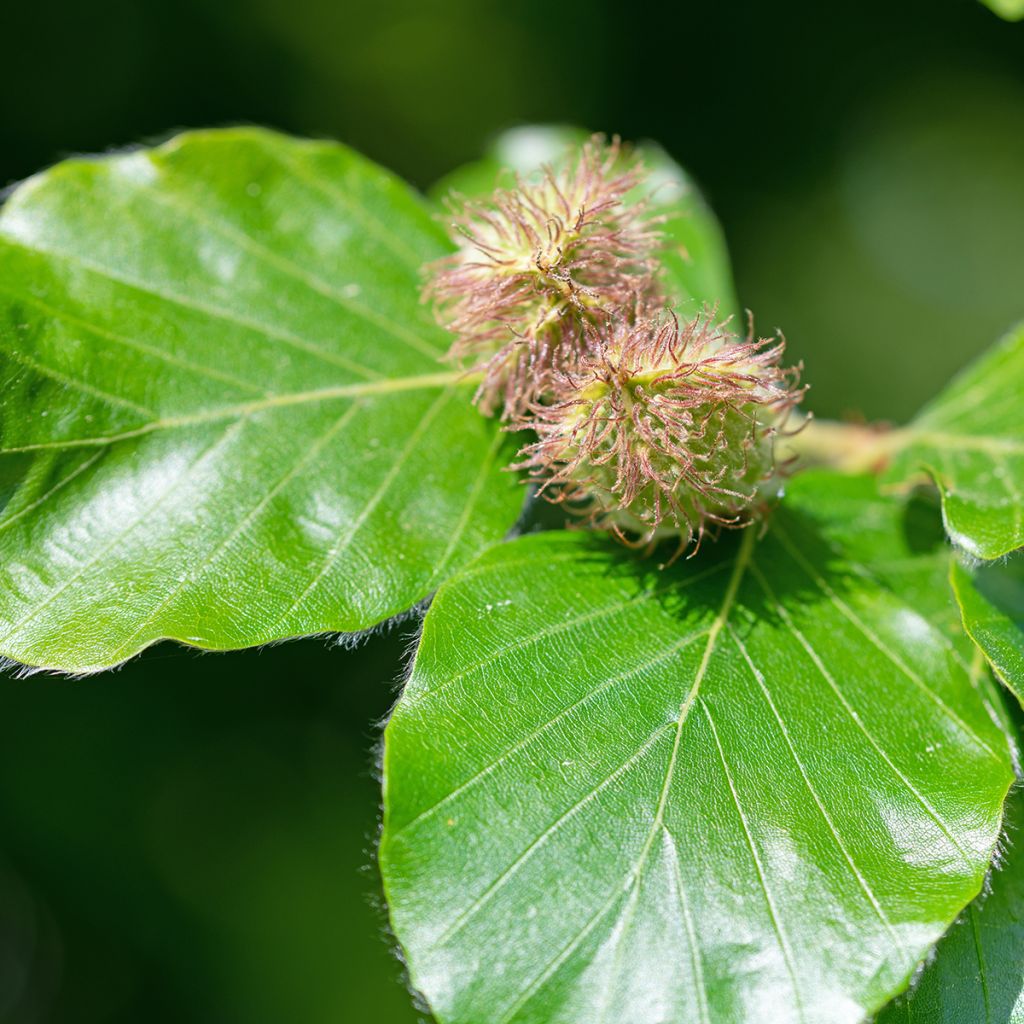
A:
[1011,10]
[189,839]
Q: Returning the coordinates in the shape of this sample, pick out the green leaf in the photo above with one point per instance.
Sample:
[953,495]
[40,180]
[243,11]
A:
[720,792]
[223,419]
[695,263]
[1011,10]
[970,440]
[906,547]
[978,970]
[995,632]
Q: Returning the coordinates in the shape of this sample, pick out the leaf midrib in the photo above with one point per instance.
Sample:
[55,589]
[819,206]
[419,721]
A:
[421,382]
[743,560]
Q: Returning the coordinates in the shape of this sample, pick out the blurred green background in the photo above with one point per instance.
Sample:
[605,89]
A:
[190,839]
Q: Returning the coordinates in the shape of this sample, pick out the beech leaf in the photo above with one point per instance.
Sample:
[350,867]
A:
[756,785]
[223,418]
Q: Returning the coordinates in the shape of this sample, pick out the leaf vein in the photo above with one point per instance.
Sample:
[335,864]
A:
[389,478]
[207,309]
[847,856]
[568,624]
[296,272]
[386,386]
[140,346]
[195,574]
[481,901]
[876,641]
[855,717]
[773,913]
[219,442]
[397,245]
[607,684]
[78,385]
[60,485]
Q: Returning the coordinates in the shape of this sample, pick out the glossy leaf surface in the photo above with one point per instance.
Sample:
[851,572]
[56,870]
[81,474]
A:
[970,440]
[222,415]
[695,264]
[757,785]
[978,971]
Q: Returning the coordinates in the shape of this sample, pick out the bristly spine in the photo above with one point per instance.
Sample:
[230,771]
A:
[536,264]
[664,427]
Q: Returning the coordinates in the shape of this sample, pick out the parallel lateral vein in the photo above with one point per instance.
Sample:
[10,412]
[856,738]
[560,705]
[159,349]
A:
[155,351]
[206,453]
[536,733]
[862,882]
[206,309]
[195,574]
[298,273]
[855,717]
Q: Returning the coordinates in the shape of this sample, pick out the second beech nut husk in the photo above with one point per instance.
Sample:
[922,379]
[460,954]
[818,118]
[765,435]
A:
[664,427]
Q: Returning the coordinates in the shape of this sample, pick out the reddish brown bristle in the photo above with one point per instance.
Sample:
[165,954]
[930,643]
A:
[663,425]
[538,262]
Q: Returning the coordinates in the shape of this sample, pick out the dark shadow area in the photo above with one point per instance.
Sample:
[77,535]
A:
[1002,583]
[190,839]
[699,577]
[923,531]
[12,472]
